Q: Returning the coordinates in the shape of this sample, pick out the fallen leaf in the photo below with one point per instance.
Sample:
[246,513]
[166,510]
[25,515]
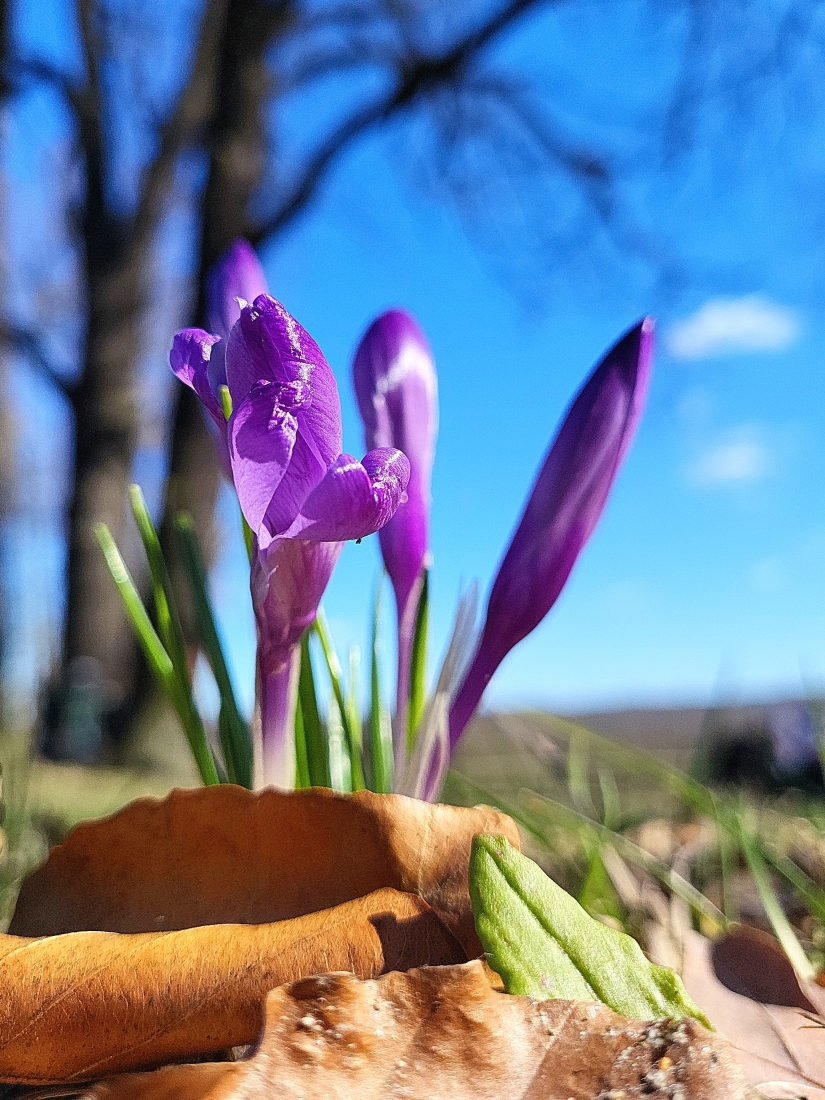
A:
[439,1032]
[751,962]
[225,855]
[88,1003]
[775,1045]
[543,944]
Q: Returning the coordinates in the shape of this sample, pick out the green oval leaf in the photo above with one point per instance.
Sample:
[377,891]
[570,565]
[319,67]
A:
[545,946]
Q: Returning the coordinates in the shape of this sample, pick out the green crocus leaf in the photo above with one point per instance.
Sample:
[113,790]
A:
[545,946]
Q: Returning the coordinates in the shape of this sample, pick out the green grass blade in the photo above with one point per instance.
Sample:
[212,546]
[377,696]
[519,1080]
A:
[812,894]
[727,834]
[418,664]
[236,739]
[625,758]
[352,737]
[380,725]
[628,850]
[158,659]
[168,624]
[353,710]
[578,774]
[611,800]
[780,924]
[302,780]
[339,757]
[597,895]
[315,735]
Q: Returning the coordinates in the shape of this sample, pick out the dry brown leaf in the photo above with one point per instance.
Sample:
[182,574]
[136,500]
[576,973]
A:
[750,961]
[773,1043]
[223,855]
[89,1003]
[442,1032]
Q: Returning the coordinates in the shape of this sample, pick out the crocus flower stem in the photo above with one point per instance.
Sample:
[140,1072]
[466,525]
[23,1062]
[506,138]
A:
[278,693]
[563,508]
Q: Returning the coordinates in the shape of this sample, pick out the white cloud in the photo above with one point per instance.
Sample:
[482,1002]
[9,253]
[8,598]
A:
[733,326]
[736,457]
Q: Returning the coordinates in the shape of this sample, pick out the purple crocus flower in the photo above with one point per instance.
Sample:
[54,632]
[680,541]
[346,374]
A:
[396,388]
[562,510]
[299,494]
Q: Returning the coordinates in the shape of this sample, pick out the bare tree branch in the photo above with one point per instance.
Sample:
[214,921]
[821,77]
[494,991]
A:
[416,77]
[23,71]
[27,342]
[195,107]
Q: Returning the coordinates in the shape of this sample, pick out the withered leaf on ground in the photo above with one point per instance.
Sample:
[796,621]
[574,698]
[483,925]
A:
[443,1032]
[751,962]
[223,854]
[773,1043]
[85,1004]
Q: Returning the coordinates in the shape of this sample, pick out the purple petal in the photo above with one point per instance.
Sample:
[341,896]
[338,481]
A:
[237,274]
[261,442]
[189,358]
[562,510]
[397,392]
[355,498]
[288,580]
[304,473]
[268,345]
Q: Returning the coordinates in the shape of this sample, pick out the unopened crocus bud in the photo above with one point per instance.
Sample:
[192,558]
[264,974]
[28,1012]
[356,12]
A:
[198,358]
[563,509]
[397,392]
[235,279]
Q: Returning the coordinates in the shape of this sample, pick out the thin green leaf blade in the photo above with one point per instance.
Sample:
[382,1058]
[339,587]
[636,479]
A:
[158,659]
[418,664]
[626,758]
[352,736]
[236,738]
[544,945]
[340,768]
[597,895]
[302,780]
[168,624]
[315,735]
[780,924]
[381,747]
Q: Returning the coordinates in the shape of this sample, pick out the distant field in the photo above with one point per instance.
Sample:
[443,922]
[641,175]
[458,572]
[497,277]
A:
[503,752]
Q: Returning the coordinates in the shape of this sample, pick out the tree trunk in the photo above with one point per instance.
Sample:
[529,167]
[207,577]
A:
[99,670]
[97,645]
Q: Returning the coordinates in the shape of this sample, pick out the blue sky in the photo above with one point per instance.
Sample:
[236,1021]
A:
[705,577]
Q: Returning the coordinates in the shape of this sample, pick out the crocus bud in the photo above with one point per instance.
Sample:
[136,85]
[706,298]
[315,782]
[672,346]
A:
[563,508]
[236,278]
[397,392]
[198,358]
